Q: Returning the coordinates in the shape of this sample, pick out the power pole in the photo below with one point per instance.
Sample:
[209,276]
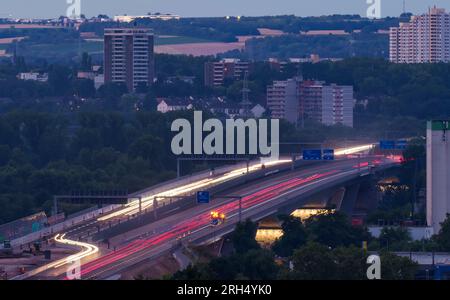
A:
[299,93]
[245,104]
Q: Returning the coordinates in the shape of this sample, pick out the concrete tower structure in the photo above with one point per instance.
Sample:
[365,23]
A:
[438,172]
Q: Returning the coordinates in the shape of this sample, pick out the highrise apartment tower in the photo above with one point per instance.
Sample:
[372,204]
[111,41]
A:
[424,39]
[129,56]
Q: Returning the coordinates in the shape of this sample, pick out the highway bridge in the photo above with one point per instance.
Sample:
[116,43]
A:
[264,191]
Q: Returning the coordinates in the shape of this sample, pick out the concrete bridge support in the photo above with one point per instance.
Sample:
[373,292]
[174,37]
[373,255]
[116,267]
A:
[350,198]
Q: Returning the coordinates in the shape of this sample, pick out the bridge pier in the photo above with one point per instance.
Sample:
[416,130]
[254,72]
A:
[337,198]
[350,198]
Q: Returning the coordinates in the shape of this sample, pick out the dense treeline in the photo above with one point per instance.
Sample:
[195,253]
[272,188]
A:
[333,46]
[420,91]
[44,154]
[324,247]
[226,30]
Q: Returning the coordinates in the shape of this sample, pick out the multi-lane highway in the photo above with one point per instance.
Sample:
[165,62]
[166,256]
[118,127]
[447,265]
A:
[131,209]
[84,230]
[163,235]
[259,199]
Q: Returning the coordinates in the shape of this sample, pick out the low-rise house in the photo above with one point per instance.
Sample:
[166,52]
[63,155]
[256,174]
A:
[35,76]
[221,106]
[174,104]
[258,111]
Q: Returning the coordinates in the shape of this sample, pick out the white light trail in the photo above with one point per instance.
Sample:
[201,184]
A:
[87,250]
[352,150]
[133,207]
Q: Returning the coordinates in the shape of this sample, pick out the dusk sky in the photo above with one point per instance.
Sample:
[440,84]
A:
[194,8]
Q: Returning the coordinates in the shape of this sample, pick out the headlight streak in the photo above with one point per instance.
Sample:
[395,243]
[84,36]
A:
[133,207]
[88,250]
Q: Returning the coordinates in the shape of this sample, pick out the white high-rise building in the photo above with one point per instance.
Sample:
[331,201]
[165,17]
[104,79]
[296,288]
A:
[283,101]
[298,100]
[129,56]
[327,104]
[229,68]
[438,172]
[424,39]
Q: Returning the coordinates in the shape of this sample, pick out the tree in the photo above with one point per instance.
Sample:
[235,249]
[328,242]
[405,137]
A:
[150,102]
[84,88]
[318,262]
[243,237]
[86,62]
[259,264]
[226,268]
[443,237]
[5,154]
[142,88]
[148,147]
[294,236]
[334,230]
[59,79]
[256,264]
[313,262]
[395,238]
[112,90]
[350,263]
[394,267]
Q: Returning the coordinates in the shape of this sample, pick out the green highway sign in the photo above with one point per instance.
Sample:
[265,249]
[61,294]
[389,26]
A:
[439,125]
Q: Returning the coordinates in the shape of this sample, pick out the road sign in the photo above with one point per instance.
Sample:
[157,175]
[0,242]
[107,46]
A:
[328,154]
[401,145]
[215,222]
[393,145]
[312,154]
[35,226]
[203,197]
[387,145]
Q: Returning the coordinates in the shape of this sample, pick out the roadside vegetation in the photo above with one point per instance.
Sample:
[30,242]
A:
[325,247]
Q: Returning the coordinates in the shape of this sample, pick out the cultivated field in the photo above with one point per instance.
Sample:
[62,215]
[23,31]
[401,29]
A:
[25,26]
[5,41]
[199,49]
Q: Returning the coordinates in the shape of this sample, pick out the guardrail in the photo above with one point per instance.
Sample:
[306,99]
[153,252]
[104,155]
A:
[48,231]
